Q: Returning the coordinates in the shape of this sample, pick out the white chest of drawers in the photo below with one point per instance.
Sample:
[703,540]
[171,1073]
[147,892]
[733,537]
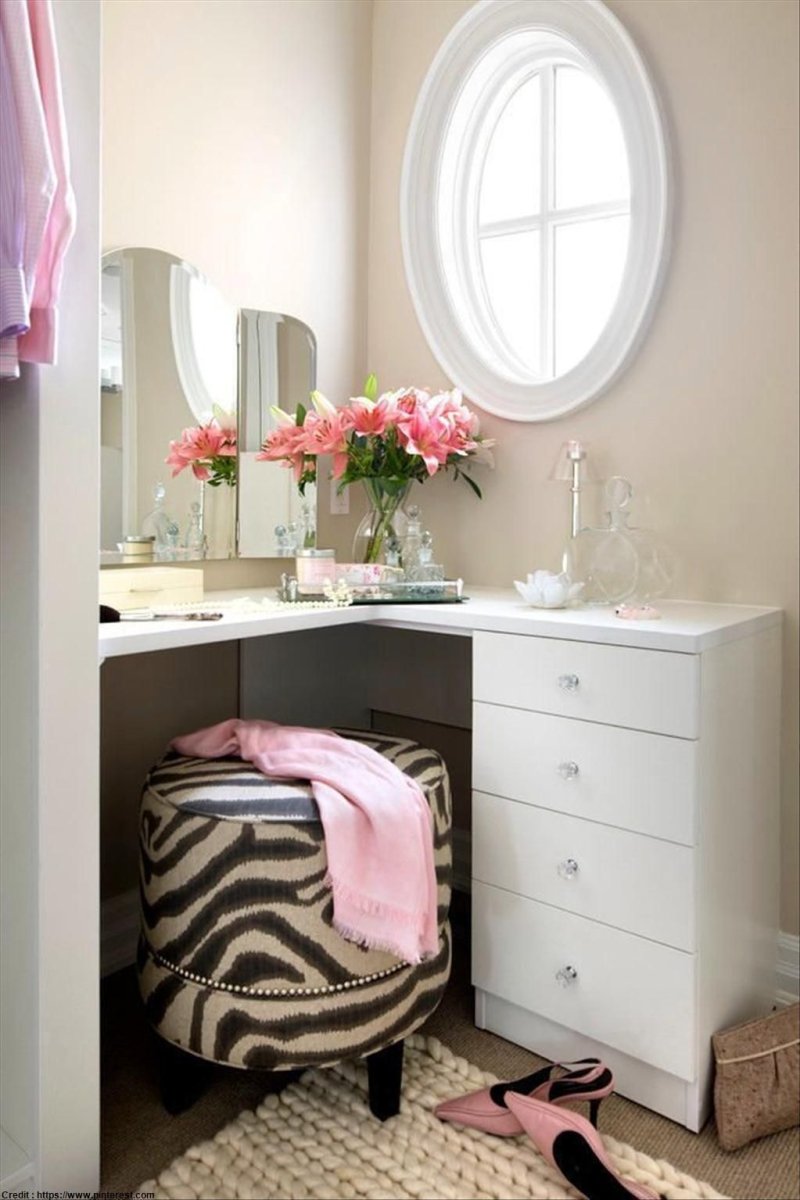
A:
[625,842]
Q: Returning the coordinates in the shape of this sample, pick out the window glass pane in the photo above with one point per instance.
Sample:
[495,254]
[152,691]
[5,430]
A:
[589,261]
[511,170]
[511,273]
[591,163]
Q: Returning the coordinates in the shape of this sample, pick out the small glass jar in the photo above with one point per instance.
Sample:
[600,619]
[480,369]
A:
[314,568]
[138,547]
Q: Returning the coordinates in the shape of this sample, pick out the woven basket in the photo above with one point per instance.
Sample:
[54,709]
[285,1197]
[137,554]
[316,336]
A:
[757,1085]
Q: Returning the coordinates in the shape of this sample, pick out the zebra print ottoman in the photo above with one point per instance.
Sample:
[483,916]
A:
[238,959]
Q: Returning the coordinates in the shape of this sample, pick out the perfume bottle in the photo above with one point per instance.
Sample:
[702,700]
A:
[621,561]
[412,541]
[159,525]
[605,560]
[194,540]
[426,570]
[393,551]
[283,547]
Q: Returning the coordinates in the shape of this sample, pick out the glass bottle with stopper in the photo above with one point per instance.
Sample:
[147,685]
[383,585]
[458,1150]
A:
[619,562]
[426,569]
[283,544]
[287,540]
[605,560]
[393,550]
[194,540]
[159,525]
[412,540]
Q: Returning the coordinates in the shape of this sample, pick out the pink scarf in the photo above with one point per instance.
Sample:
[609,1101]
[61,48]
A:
[377,827]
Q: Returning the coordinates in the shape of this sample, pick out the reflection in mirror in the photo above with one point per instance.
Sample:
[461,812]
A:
[168,365]
[277,368]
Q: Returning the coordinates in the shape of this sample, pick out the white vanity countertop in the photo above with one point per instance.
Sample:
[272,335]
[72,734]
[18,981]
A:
[685,626]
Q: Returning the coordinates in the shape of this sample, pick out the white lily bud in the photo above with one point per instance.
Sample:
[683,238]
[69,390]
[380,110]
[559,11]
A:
[282,417]
[322,405]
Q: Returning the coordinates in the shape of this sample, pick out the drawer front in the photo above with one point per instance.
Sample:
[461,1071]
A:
[143,587]
[628,992]
[639,781]
[636,883]
[655,690]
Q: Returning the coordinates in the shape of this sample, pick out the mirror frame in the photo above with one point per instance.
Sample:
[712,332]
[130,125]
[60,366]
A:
[614,60]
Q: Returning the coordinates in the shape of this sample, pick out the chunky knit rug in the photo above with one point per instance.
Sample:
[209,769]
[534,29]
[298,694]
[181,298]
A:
[318,1139]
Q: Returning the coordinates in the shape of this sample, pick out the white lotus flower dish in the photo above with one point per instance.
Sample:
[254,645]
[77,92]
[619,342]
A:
[545,590]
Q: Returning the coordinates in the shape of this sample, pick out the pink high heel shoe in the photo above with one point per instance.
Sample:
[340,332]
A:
[487,1109]
[574,1148]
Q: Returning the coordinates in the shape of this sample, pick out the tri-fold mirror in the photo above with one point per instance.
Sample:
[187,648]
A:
[187,384]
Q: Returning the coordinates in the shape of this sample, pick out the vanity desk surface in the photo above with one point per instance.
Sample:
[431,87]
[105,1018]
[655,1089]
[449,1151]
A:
[687,627]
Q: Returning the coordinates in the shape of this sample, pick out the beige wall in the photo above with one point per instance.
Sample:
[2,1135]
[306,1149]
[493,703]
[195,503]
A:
[705,420]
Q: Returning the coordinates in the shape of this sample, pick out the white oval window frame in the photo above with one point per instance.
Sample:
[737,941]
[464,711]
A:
[603,42]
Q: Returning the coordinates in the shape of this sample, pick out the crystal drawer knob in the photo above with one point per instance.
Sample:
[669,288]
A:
[566,976]
[568,770]
[568,869]
[568,683]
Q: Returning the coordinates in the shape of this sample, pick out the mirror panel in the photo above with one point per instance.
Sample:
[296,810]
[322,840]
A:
[277,368]
[175,354]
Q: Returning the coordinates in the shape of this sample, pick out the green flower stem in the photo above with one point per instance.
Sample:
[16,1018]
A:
[386,497]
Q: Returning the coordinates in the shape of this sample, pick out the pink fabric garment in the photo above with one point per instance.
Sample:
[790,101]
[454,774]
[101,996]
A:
[14,311]
[41,342]
[38,171]
[377,827]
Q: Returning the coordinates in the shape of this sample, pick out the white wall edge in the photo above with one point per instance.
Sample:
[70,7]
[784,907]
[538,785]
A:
[119,932]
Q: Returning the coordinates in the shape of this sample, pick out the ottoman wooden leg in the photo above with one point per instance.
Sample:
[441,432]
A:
[182,1077]
[385,1075]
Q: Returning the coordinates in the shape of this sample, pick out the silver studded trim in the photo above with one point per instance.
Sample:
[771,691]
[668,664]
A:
[292,993]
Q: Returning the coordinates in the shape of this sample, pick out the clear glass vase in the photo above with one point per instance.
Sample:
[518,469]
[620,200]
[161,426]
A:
[219,519]
[383,519]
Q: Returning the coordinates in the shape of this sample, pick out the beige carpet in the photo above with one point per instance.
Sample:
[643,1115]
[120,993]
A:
[317,1139]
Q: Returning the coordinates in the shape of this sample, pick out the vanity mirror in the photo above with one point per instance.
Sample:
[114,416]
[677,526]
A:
[177,356]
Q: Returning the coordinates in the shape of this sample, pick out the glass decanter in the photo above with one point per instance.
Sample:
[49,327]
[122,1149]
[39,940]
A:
[606,560]
[194,540]
[159,525]
[412,540]
[621,562]
[426,570]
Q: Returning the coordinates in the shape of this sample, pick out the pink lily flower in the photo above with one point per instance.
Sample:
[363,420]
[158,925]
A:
[328,435]
[420,433]
[197,446]
[372,418]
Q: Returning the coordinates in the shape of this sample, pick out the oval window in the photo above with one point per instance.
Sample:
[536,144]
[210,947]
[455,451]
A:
[534,204]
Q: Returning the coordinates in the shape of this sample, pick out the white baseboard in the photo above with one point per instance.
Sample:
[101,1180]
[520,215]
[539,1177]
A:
[119,932]
[788,971]
[17,1173]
